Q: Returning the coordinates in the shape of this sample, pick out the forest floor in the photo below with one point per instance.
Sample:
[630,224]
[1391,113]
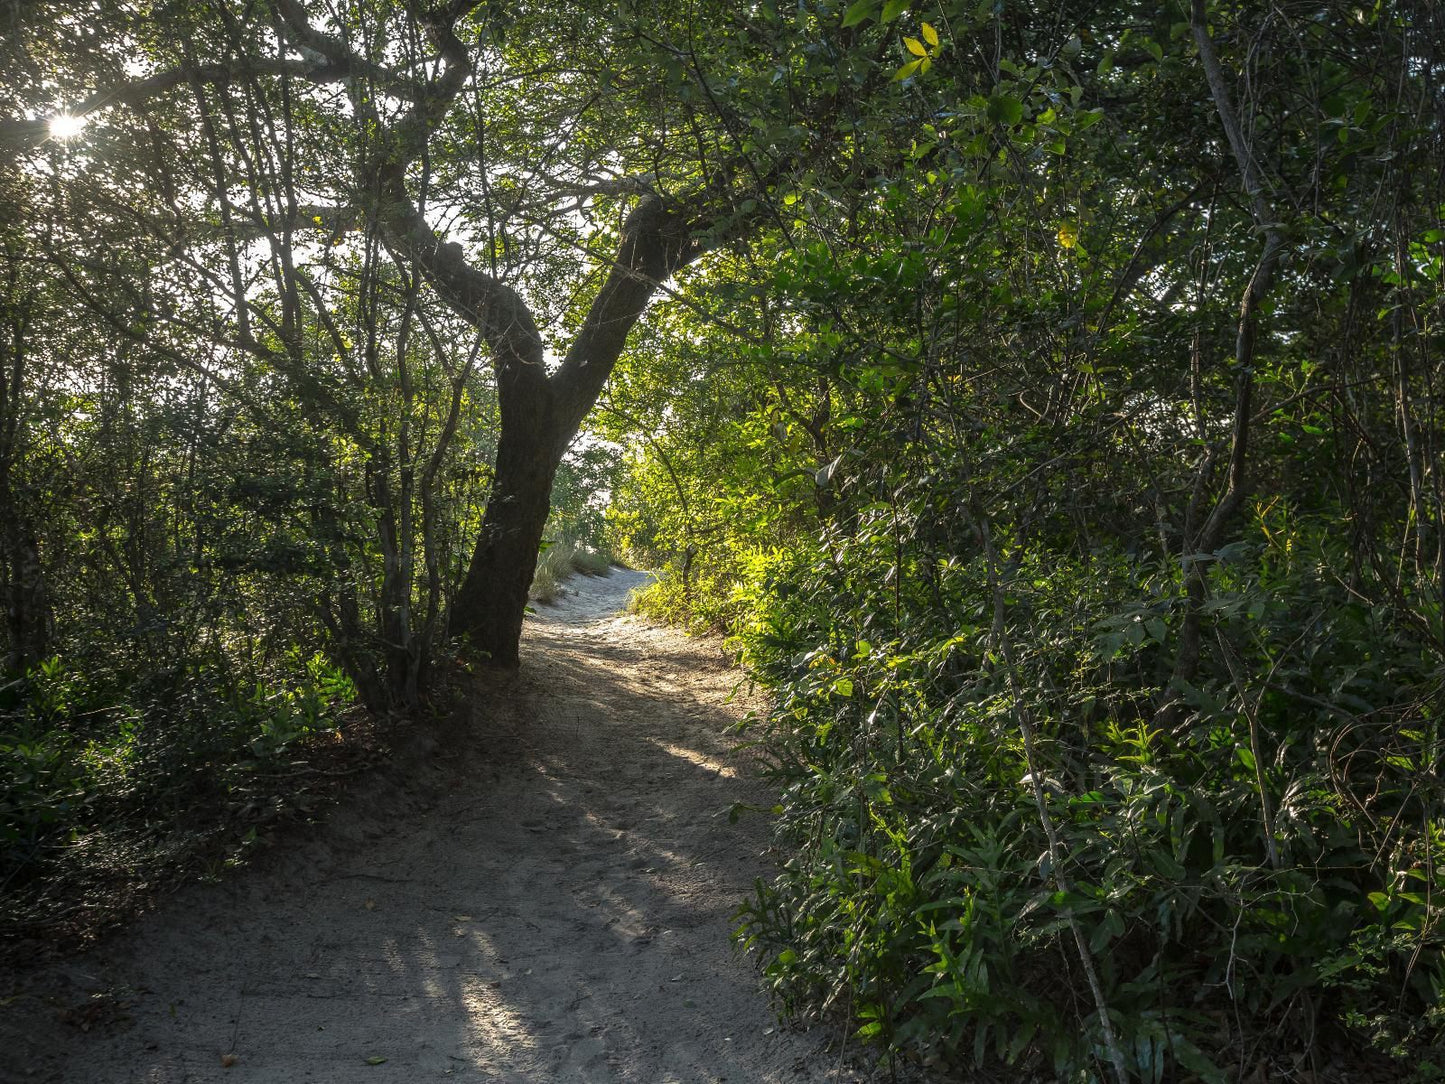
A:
[540,890]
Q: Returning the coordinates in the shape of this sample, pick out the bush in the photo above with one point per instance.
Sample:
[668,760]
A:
[920,892]
[558,561]
[107,782]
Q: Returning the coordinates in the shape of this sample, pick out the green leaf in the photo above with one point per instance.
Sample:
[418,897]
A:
[893,9]
[907,70]
[859,11]
[375,1060]
[1006,110]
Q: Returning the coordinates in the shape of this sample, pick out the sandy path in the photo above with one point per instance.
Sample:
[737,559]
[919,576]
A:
[556,908]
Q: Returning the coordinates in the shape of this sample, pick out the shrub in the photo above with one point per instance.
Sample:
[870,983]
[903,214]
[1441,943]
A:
[920,892]
[107,781]
[560,560]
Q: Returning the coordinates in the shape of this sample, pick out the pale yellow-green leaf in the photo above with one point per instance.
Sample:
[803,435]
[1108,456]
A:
[915,46]
[1068,235]
[907,70]
[930,35]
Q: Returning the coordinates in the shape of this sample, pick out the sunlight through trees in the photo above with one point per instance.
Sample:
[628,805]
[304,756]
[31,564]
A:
[1045,399]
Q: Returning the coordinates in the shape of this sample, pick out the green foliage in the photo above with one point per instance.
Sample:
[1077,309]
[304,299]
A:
[98,771]
[1094,559]
[579,494]
[942,456]
[912,891]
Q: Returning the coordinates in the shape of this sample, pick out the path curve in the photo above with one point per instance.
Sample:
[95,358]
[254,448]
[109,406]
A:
[557,910]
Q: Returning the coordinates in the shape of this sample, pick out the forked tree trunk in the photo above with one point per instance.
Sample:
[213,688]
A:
[541,413]
[492,600]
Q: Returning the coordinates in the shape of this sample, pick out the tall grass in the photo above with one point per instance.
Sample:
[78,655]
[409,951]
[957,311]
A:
[560,561]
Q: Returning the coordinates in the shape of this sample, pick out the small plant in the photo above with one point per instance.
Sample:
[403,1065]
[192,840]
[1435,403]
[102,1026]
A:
[554,565]
[559,560]
[1267,862]
[591,562]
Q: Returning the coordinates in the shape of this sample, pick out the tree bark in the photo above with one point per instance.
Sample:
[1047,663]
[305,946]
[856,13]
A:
[490,604]
[541,416]
[28,617]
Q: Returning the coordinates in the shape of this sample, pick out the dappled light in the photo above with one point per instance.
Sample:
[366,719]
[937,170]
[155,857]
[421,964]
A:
[1033,417]
[562,916]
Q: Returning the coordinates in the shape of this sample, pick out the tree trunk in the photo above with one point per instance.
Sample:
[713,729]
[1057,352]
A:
[492,600]
[541,413]
[1208,538]
[27,611]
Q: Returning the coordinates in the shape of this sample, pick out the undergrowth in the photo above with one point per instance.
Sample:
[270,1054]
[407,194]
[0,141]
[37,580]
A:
[1252,859]
[111,783]
[559,561]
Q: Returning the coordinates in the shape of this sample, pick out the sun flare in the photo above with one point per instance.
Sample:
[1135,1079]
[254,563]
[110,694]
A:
[66,126]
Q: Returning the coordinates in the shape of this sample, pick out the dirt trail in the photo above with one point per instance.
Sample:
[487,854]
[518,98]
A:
[557,910]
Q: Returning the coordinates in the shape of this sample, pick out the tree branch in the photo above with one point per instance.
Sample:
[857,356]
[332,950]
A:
[657,241]
[1186,663]
[18,134]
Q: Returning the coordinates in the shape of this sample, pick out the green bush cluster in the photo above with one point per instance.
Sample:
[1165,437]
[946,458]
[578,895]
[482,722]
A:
[110,778]
[919,891]
[1076,493]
